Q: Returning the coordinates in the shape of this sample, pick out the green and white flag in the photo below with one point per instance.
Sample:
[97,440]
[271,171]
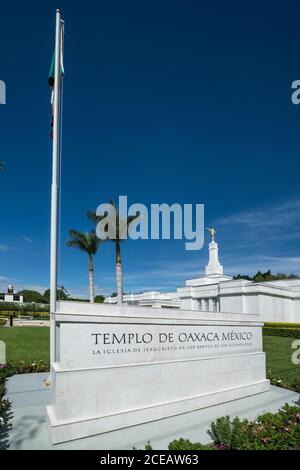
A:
[52,70]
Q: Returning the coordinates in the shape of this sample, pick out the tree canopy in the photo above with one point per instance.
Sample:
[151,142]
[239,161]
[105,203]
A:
[62,294]
[266,276]
[32,296]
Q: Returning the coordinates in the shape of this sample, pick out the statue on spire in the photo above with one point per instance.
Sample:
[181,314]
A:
[212,232]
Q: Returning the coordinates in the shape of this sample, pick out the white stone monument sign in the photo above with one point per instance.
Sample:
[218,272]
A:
[118,366]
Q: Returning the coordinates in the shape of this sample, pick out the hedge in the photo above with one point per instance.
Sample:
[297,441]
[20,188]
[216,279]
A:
[281,325]
[287,332]
[26,307]
[35,315]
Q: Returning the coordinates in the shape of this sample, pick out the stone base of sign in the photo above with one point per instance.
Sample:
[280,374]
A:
[61,431]
[122,366]
[29,430]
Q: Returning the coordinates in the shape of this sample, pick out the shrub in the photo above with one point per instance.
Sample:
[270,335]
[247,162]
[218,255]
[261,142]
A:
[230,434]
[281,325]
[286,332]
[270,431]
[186,444]
[18,308]
[34,315]
[2,321]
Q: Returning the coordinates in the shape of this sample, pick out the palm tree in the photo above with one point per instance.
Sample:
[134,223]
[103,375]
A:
[89,243]
[121,228]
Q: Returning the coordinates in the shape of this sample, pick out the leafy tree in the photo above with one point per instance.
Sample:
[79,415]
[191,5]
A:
[99,299]
[119,228]
[266,276]
[78,299]
[242,276]
[89,244]
[61,294]
[32,296]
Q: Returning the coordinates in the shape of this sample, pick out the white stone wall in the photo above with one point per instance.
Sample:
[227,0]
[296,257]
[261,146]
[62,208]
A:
[193,360]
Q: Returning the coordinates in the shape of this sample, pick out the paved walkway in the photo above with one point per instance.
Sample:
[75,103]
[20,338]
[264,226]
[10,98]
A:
[29,426]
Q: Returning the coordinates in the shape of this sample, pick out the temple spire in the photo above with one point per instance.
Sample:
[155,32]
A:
[214,266]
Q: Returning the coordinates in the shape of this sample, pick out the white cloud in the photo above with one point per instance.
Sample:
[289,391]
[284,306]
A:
[27,239]
[283,218]
[250,265]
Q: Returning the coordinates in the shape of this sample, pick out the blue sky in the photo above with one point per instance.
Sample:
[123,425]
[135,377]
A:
[164,101]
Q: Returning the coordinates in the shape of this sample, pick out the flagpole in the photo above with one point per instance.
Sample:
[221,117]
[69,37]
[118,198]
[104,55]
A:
[54,188]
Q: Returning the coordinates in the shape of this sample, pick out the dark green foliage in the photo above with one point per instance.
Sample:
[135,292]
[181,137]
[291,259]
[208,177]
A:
[186,444]
[32,296]
[86,242]
[117,226]
[61,294]
[99,299]
[230,434]
[22,308]
[270,431]
[267,276]
[284,332]
[281,325]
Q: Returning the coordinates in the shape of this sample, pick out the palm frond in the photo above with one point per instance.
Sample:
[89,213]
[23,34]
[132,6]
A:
[87,242]
[121,222]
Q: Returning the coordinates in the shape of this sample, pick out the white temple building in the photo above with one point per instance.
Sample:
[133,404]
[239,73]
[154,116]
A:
[275,301]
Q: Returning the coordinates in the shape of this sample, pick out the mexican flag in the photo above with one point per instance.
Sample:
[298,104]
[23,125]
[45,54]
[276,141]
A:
[52,71]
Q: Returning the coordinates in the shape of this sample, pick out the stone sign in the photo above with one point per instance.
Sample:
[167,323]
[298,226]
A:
[121,366]
[110,345]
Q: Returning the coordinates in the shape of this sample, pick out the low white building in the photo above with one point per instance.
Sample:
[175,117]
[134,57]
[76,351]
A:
[275,301]
[149,299]
[10,296]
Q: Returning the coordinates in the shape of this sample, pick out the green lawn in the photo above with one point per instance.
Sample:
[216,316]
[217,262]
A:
[32,344]
[26,343]
[279,357]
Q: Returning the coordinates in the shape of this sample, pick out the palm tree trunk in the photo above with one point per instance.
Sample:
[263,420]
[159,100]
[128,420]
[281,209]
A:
[119,273]
[91,280]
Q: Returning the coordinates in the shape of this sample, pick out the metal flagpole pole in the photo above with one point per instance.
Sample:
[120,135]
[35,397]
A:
[54,187]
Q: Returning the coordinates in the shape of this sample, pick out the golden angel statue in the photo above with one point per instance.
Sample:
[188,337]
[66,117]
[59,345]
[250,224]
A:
[212,232]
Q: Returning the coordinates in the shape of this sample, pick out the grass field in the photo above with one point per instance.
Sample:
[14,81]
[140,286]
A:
[26,343]
[278,354]
[32,344]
